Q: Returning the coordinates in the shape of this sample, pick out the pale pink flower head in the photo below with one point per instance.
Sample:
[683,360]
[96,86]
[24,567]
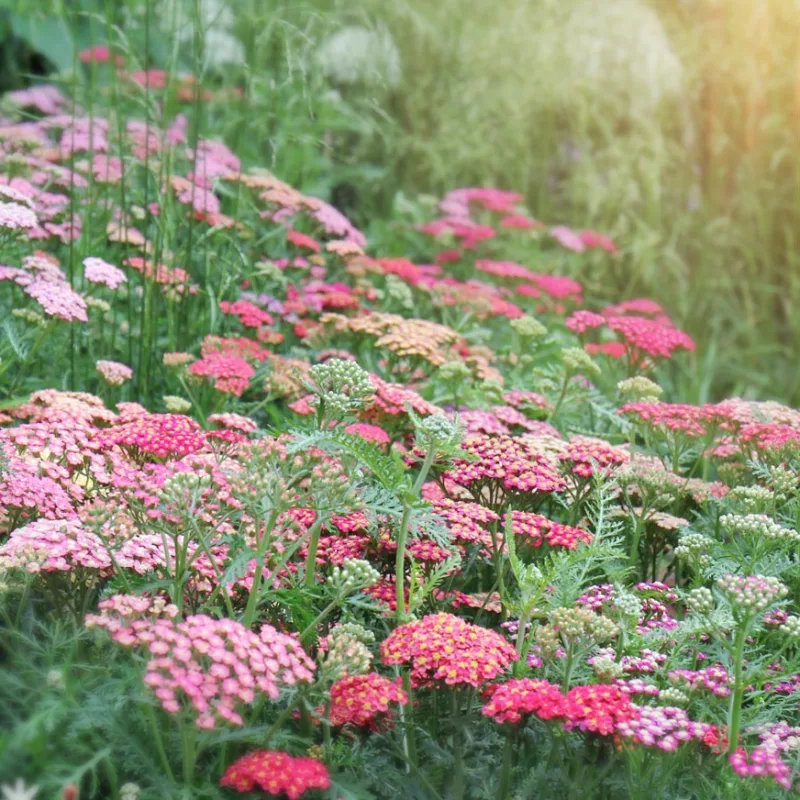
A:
[58,545]
[15,216]
[58,300]
[10,194]
[114,373]
[98,271]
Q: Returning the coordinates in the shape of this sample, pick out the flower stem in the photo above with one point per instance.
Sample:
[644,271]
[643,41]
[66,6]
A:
[735,710]
[458,751]
[508,757]
[162,753]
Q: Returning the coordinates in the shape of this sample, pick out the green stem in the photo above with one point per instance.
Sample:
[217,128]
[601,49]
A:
[400,565]
[432,793]
[252,600]
[458,751]
[311,558]
[189,758]
[568,668]
[318,620]
[735,710]
[162,753]
[508,757]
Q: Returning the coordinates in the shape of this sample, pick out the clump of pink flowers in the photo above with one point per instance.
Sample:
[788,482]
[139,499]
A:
[212,667]
[53,545]
[114,373]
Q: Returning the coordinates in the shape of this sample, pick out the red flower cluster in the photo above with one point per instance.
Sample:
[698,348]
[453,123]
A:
[362,699]
[441,647]
[520,697]
[597,708]
[537,530]
[276,773]
[301,240]
[164,436]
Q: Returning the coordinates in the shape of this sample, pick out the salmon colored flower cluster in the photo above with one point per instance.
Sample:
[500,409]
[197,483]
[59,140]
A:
[442,647]
[364,700]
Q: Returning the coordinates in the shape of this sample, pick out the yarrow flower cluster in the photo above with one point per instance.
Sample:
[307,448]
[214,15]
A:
[98,271]
[114,373]
[364,700]
[56,545]
[161,436]
[227,373]
[512,463]
[441,647]
[662,727]
[214,665]
[758,526]
[520,697]
[536,530]
[276,773]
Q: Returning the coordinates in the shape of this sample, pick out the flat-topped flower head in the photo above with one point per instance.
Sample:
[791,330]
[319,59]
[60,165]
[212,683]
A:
[536,530]
[364,700]
[156,436]
[518,698]
[53,545]
[598,708]
[663,727]
[442,647]
[114,373]
[275,773]
[507,464]
[227,373]
[213,667]
[96,270]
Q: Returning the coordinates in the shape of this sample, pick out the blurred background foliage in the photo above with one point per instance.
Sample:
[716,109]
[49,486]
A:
[671,125]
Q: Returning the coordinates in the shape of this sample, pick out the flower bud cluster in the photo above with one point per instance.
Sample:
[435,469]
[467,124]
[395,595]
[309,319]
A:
[639,389]
[577,360]
[700,600]
[342,385]
[355,574]
[757,526]
[528,327]
[752,594]
[693,548]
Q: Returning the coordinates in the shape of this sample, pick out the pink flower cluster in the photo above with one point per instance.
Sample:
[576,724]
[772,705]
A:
[537,530]
[520,697]
[98,271]
[161,436]
[213,665]
[249,314]
[584,455]
[58,545]
[641,337]
[714,679]
[662,727]
[114,373]
[229,374]
[762,762]
[505,462]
